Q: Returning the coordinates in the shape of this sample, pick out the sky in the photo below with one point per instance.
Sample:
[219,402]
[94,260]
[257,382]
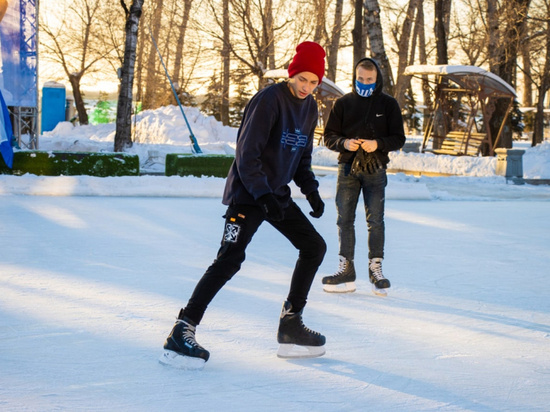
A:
[94,271]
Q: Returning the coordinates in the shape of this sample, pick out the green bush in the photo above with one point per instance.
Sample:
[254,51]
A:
[198,165]
[72,164]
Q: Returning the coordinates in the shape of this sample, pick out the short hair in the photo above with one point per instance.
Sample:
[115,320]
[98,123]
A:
[367,65]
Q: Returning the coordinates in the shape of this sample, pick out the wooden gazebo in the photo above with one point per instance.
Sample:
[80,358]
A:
[463,102]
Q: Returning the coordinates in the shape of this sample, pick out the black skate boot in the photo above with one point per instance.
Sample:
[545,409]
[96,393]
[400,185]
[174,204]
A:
[297,341]
[379,282]
[343,281]
[181,349]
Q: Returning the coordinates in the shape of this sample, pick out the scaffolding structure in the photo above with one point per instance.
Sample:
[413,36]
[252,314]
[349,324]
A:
[24,118]
[25,123]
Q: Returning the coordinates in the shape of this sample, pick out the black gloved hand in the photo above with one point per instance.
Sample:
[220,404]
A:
[317,204]
[359,162]
[365,162]
[271,207]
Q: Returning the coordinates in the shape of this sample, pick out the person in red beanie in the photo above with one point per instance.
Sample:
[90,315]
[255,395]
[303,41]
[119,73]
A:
[274,145]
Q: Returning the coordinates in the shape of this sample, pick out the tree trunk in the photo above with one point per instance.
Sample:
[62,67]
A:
[151,82]
[142,35]
[376,40]
[527,81]
[269,34]
[334,43]
[74,78]
[123,135]
[504,59]
[442,11]
[359,44]
[538,130]
[320,26]
[224,110]
[423,56]
[403,82]
[178,75]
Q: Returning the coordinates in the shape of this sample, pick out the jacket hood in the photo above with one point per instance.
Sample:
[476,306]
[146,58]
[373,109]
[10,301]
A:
[379,77]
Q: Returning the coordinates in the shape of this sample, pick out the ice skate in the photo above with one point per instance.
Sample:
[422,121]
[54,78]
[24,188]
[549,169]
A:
[181,350]
[296,340]
[343,281]
[379,282]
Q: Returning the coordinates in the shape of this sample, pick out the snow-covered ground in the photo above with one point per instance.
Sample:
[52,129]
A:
[94,271]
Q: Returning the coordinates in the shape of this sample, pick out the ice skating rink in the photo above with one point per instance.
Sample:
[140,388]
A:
[90,287]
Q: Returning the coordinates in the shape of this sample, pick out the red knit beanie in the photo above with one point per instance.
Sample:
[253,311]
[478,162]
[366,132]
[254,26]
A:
[310,57]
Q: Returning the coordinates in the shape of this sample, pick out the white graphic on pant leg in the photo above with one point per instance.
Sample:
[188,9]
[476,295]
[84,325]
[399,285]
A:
[231,232]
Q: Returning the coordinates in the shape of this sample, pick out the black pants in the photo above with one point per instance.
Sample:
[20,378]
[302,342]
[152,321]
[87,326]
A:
[241,223]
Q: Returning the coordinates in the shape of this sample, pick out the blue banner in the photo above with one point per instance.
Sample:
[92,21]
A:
[6,134]
[18,81]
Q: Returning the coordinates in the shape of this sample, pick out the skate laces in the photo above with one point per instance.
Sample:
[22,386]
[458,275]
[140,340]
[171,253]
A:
[286,311]
[188,333]
[342,267]
[375,267]
[308,329]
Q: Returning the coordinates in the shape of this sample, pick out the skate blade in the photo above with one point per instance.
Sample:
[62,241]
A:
[292,351]
[348,287]
[378,291]
[171,358]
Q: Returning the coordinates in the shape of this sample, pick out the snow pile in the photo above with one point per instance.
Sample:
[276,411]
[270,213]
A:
[453,165]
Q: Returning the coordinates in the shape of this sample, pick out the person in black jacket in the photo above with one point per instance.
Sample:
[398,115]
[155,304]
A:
[363,126]
[274,146]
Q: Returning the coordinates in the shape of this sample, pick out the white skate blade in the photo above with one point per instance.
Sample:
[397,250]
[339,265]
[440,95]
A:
[348,287]
[292,351]
[378,291]
[178,361]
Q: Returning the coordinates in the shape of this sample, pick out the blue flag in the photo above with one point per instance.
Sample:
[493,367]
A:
[6,133]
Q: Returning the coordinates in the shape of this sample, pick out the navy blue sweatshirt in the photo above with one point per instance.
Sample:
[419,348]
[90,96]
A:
[274,145]
[353,116]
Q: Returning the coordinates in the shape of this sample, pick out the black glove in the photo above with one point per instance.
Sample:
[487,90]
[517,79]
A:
[271,207]
[359,162]
[317,204]
[365,162]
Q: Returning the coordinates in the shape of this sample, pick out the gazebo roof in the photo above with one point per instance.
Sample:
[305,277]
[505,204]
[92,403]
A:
[468,77]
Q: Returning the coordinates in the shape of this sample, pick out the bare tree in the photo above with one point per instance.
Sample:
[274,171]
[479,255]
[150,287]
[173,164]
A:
[403,43]
[505,24]
[540,70]
[151,96]
[123,135]
[77,45]
[182,29]
[422,54]
[359,29]
[334,41]
[470,32]
[226,57]
[442,13]
[253,31]
[320,34]
[376,41]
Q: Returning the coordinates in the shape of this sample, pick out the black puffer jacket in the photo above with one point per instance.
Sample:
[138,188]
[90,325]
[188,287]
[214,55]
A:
[354,117]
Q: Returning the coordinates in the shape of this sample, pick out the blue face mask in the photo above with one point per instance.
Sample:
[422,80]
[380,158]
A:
[364,90]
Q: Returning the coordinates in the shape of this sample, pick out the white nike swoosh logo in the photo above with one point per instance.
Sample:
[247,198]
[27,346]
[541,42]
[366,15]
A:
[379,114]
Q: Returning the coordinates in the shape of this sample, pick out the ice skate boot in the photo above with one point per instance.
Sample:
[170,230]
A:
[181,349]
[343,281]
[297,341]
[379,282]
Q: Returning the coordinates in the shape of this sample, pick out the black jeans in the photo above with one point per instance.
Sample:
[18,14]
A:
[241,223]
[348,189]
